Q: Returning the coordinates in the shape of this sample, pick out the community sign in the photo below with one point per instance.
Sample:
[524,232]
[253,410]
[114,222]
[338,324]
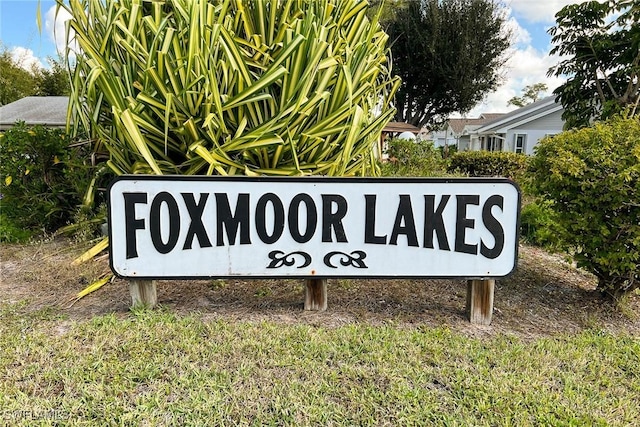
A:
[217,227]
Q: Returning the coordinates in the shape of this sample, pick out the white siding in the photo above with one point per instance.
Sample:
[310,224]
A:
[463,143]
[532,138]
[534,130]
[550,121]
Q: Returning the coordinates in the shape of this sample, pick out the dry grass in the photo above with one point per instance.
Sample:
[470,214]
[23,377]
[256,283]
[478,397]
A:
[544,297]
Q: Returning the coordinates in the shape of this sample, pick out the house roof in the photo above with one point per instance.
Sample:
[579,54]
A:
[458,125]
[400,127]
[491,116]
[48,111]
[528,113]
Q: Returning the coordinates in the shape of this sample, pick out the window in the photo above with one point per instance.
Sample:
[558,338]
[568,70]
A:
[520,144]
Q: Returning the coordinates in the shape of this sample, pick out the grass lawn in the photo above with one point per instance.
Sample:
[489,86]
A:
[162,368]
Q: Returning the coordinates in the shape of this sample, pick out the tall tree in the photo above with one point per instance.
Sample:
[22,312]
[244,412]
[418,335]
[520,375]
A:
[449,54]
[15,81]
[603,64]
[530,94]
[53,81]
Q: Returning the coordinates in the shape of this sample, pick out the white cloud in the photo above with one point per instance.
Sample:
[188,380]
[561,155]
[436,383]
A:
[25,58]
[539,10]
[55,27]
[525,67]
[520,35]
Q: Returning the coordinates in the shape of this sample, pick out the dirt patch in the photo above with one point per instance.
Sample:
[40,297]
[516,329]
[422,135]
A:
[545,296]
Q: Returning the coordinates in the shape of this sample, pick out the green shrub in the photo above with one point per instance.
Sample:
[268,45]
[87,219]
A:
[591,180]
[538,224]
[447,151]
[489,163]
[413,158]
[42,180]
[9,231]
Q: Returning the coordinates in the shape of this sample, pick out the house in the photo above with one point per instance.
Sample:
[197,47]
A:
[520,130]
[459,132]
[49,111]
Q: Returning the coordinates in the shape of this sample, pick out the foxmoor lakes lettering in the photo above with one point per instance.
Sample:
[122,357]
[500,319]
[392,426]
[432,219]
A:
[321,227]
[302,218]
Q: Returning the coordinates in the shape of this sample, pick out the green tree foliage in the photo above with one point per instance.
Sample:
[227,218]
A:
[278,87]
[15,81]
[603,64]
[42,180]
[530,94]
[448,53]
[53,81]
[590,178]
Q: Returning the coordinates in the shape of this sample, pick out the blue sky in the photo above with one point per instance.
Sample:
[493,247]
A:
[18,27]
[528,64]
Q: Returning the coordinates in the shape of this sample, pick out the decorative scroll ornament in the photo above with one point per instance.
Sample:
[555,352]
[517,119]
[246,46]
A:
[279,258]
[355,259]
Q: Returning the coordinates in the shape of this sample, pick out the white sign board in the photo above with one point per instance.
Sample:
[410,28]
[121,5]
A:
[204,227]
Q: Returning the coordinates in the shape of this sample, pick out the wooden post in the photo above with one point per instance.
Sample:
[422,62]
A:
[143,292]
[315,295]
[480,301]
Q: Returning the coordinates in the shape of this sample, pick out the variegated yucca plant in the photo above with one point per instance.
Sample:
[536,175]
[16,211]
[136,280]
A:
[226,87]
